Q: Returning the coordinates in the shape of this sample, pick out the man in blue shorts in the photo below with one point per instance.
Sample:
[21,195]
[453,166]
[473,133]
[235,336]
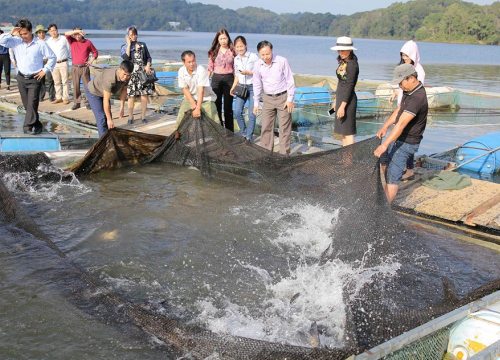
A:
[409,121]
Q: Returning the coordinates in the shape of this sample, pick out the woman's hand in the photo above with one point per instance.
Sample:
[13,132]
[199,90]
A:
[127,40]
[340,113]
[341,110]
[231,91]
[147,68]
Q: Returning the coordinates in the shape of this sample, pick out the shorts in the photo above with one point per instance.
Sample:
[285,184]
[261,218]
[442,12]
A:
[396,156]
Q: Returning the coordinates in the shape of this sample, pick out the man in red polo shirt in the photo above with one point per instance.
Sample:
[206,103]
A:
[80,51]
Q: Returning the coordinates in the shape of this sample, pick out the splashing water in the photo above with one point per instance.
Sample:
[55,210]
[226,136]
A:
[48,183]
[309,292]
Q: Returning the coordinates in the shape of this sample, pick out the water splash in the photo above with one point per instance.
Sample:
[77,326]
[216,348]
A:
[309,292]
[47,183]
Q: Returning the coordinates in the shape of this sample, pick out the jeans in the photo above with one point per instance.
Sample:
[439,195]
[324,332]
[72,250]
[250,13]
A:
[246,130]
[97,107]
[396,157]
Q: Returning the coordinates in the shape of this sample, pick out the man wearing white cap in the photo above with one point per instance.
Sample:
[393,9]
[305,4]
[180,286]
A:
[409,120]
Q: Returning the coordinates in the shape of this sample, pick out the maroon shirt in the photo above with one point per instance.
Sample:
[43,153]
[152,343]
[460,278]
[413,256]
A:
[80,50]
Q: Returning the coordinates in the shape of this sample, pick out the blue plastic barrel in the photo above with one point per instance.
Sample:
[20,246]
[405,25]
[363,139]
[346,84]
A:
[486,164]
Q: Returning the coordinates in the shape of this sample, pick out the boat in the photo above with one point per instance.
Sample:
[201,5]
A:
[20,142]
[438,97]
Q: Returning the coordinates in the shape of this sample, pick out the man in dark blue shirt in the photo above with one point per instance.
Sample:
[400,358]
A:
[409,120]
[4,64]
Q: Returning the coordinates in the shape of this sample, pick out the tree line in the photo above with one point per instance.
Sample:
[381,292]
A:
[423,20]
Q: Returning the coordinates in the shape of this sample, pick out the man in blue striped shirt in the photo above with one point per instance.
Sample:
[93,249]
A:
[29,53]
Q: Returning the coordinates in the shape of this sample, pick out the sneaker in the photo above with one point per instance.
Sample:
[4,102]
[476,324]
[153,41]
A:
[56,101]
[8,88]
[75,106]
[130,121]
[144,121]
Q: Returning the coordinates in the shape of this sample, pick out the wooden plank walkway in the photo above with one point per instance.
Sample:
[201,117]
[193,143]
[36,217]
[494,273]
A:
[158,123]
[475,206]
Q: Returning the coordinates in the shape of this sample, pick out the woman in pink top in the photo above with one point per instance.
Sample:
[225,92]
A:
[221,70]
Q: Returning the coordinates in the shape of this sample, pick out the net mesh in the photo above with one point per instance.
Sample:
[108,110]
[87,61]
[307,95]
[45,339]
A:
[429,347]
[367,233]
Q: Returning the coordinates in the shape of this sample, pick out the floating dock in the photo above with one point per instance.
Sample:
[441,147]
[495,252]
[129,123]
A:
[474,209]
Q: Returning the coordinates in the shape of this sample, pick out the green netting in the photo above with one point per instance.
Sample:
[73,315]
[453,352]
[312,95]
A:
[430,347]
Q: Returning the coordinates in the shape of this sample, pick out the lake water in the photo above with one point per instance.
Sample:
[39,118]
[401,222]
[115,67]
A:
[223,255]
[215,252]
[472,67]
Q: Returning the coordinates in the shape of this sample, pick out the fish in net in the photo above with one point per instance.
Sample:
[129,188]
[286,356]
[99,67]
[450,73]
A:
[367,233]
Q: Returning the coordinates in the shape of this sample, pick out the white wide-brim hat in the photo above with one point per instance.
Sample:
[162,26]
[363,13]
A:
[343,43]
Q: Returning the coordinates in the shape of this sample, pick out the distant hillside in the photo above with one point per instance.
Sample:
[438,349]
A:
[425,20]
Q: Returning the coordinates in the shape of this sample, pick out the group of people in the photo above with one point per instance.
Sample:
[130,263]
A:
[42,66]
[43,69]
[268,78]
[233,72]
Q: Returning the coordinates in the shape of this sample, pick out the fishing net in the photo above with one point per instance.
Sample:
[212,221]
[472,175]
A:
[367,234]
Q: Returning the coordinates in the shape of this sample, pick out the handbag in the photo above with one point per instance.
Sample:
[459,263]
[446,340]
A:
[241,91]
[147,79]
[151,77]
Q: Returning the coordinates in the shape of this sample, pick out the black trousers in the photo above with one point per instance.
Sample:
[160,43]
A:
[5,65]
[48,86]
[221,85]
[29,89]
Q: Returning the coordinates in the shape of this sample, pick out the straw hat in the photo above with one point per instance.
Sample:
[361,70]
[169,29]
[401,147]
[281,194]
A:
[40,28]
[343,43]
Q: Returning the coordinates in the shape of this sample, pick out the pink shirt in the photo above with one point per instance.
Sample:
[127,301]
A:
[273,79]
[223,64]
[80,50]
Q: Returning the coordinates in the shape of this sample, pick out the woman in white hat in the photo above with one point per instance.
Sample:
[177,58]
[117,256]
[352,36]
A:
[345,97]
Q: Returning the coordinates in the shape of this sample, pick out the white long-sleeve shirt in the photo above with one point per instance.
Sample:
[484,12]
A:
[29,56]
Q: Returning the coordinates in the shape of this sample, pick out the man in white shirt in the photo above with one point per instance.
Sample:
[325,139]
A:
[60,47]
[198,94]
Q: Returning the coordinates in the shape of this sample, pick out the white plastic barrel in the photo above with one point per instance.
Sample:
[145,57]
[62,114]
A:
[475,333]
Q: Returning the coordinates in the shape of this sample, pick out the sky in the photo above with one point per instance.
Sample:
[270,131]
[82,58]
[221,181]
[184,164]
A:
[335,7]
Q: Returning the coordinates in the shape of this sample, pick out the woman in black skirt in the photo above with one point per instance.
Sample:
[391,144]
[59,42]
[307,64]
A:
[345,97]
